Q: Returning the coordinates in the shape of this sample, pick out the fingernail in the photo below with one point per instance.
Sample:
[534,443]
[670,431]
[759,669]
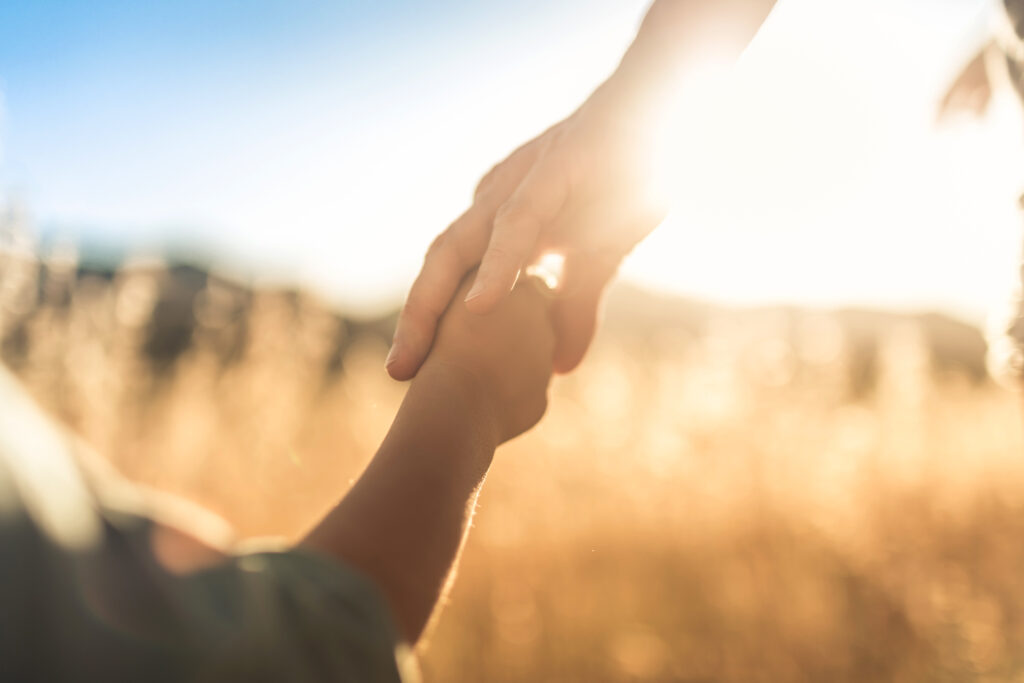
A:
[392,356]
[476,290]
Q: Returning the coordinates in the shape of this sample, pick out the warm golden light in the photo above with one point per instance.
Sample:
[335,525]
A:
[775,462]
[809,164]
[549,269]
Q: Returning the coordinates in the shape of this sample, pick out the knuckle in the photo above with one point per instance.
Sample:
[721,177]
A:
[444,252]
[411,315]
[487,183]
[515,214]
[421,312]
[437,247]
[501,256]
[438,244]
[465,252]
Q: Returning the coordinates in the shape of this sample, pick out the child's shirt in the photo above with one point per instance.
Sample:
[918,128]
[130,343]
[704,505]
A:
[85,599]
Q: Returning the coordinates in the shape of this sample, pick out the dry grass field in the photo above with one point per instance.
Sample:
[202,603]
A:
[715,496]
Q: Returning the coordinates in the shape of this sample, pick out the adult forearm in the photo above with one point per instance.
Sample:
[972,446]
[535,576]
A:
[675,30]
[405,520]
[677,33]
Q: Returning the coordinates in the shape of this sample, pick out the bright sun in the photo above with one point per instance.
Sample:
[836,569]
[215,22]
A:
[800,177]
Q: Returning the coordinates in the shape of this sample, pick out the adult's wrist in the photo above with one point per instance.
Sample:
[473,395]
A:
[637,89]
[647,69]
[676,33]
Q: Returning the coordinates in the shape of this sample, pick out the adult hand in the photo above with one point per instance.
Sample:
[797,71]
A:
[579,190]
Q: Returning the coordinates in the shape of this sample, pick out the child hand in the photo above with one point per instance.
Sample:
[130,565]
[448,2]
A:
[506,354]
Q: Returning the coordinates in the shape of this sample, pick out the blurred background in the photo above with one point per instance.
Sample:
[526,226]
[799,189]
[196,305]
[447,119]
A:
[784,459]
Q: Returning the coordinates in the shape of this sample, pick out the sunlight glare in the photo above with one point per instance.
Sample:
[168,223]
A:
[695,104]
[790,179]
[548,269]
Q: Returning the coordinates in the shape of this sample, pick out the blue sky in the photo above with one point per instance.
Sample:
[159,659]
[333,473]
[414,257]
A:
[327,142]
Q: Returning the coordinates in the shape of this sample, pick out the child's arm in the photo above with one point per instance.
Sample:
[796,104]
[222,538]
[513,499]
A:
[405,520]
[80,549]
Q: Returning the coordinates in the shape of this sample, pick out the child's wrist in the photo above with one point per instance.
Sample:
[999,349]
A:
[464,390]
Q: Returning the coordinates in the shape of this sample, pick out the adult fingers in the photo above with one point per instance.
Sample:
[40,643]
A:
[593,239]
[448,259]
[517,225]
[577,310]
[452,254]
[502,180]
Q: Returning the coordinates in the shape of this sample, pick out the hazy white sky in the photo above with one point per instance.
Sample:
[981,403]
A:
[329,142]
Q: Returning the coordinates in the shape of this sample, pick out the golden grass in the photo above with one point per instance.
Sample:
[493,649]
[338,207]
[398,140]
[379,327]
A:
[724,507]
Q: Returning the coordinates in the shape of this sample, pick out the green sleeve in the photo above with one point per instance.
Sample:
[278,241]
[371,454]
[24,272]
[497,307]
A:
[112,612]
